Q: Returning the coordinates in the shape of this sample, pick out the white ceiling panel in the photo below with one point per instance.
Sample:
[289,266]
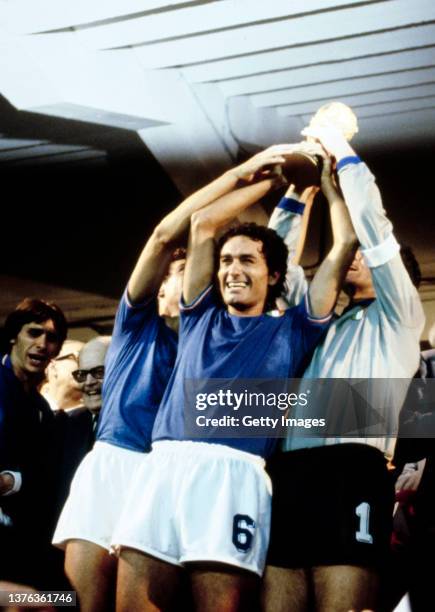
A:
[289,32]
[348,69]
[201,79]
[202,19]
[376,44]
[31,16]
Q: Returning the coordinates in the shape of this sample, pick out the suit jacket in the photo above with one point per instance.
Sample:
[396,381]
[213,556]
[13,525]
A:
[26,446]
[75,438]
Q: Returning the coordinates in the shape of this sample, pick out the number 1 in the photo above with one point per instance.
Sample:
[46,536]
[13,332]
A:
[363,535]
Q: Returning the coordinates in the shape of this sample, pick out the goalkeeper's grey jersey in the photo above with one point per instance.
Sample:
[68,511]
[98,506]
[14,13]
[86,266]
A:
[379,340]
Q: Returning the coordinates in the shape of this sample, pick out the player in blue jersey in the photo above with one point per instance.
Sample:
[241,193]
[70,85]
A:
[138,366]
[205,504]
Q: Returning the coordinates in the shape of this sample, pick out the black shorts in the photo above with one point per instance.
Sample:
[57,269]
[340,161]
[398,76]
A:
[331,505]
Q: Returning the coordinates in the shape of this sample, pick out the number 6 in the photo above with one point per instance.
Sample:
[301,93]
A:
[242,537]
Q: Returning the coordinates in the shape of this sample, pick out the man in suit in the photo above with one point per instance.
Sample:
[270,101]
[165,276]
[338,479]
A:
[34,332]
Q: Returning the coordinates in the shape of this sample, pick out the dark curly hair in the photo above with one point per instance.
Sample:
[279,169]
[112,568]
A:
[274,250]
[33,310]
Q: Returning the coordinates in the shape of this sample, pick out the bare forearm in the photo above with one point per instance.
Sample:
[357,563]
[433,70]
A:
[228,207]
[154,259]
[174,225]
[328,280]
[341,223]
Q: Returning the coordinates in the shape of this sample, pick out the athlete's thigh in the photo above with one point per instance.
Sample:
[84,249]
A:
[284,589]
[92,573]
[222,588]
[145,583]
[341,588]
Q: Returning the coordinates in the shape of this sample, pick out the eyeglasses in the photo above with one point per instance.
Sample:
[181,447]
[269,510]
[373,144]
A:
[81,375]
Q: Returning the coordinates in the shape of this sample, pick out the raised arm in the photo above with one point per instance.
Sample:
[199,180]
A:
[208,221]
[152,264]
[396,295]
[328,280]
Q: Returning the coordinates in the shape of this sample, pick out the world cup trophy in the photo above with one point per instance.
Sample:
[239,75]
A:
[304,169]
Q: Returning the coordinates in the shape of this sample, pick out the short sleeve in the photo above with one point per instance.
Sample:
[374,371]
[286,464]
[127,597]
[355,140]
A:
[131,316]
[310,330]
[191,313]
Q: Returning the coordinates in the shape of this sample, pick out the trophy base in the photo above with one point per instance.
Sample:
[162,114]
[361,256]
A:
[302,169]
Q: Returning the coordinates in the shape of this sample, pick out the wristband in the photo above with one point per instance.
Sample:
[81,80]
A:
[291,205]
[346,161]
[381,253]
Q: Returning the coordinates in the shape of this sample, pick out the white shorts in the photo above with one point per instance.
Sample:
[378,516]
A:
[97,495]
[194,501]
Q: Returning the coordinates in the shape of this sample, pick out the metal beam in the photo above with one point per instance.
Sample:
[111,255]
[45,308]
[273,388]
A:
[345,87]
[300,31]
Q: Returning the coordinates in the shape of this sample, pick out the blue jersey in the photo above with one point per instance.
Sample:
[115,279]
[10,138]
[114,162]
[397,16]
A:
[216,344]
[139,363]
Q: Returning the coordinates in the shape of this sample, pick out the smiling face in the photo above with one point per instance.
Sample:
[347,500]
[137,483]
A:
[91,363]
[33,348]
[170,290]
[243,276]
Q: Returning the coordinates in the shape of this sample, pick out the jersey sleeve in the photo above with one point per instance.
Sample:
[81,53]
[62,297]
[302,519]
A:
[130,317]
[396,295]
[286,221]
[311,330]
[191,313]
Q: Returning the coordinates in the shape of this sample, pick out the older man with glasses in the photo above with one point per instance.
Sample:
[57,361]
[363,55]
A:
[76,426]
[90,373]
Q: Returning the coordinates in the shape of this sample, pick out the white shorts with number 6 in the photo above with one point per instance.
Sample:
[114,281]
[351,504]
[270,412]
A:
[194,501]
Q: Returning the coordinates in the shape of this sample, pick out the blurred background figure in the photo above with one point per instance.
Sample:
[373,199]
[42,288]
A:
[61,390]
[413,542]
